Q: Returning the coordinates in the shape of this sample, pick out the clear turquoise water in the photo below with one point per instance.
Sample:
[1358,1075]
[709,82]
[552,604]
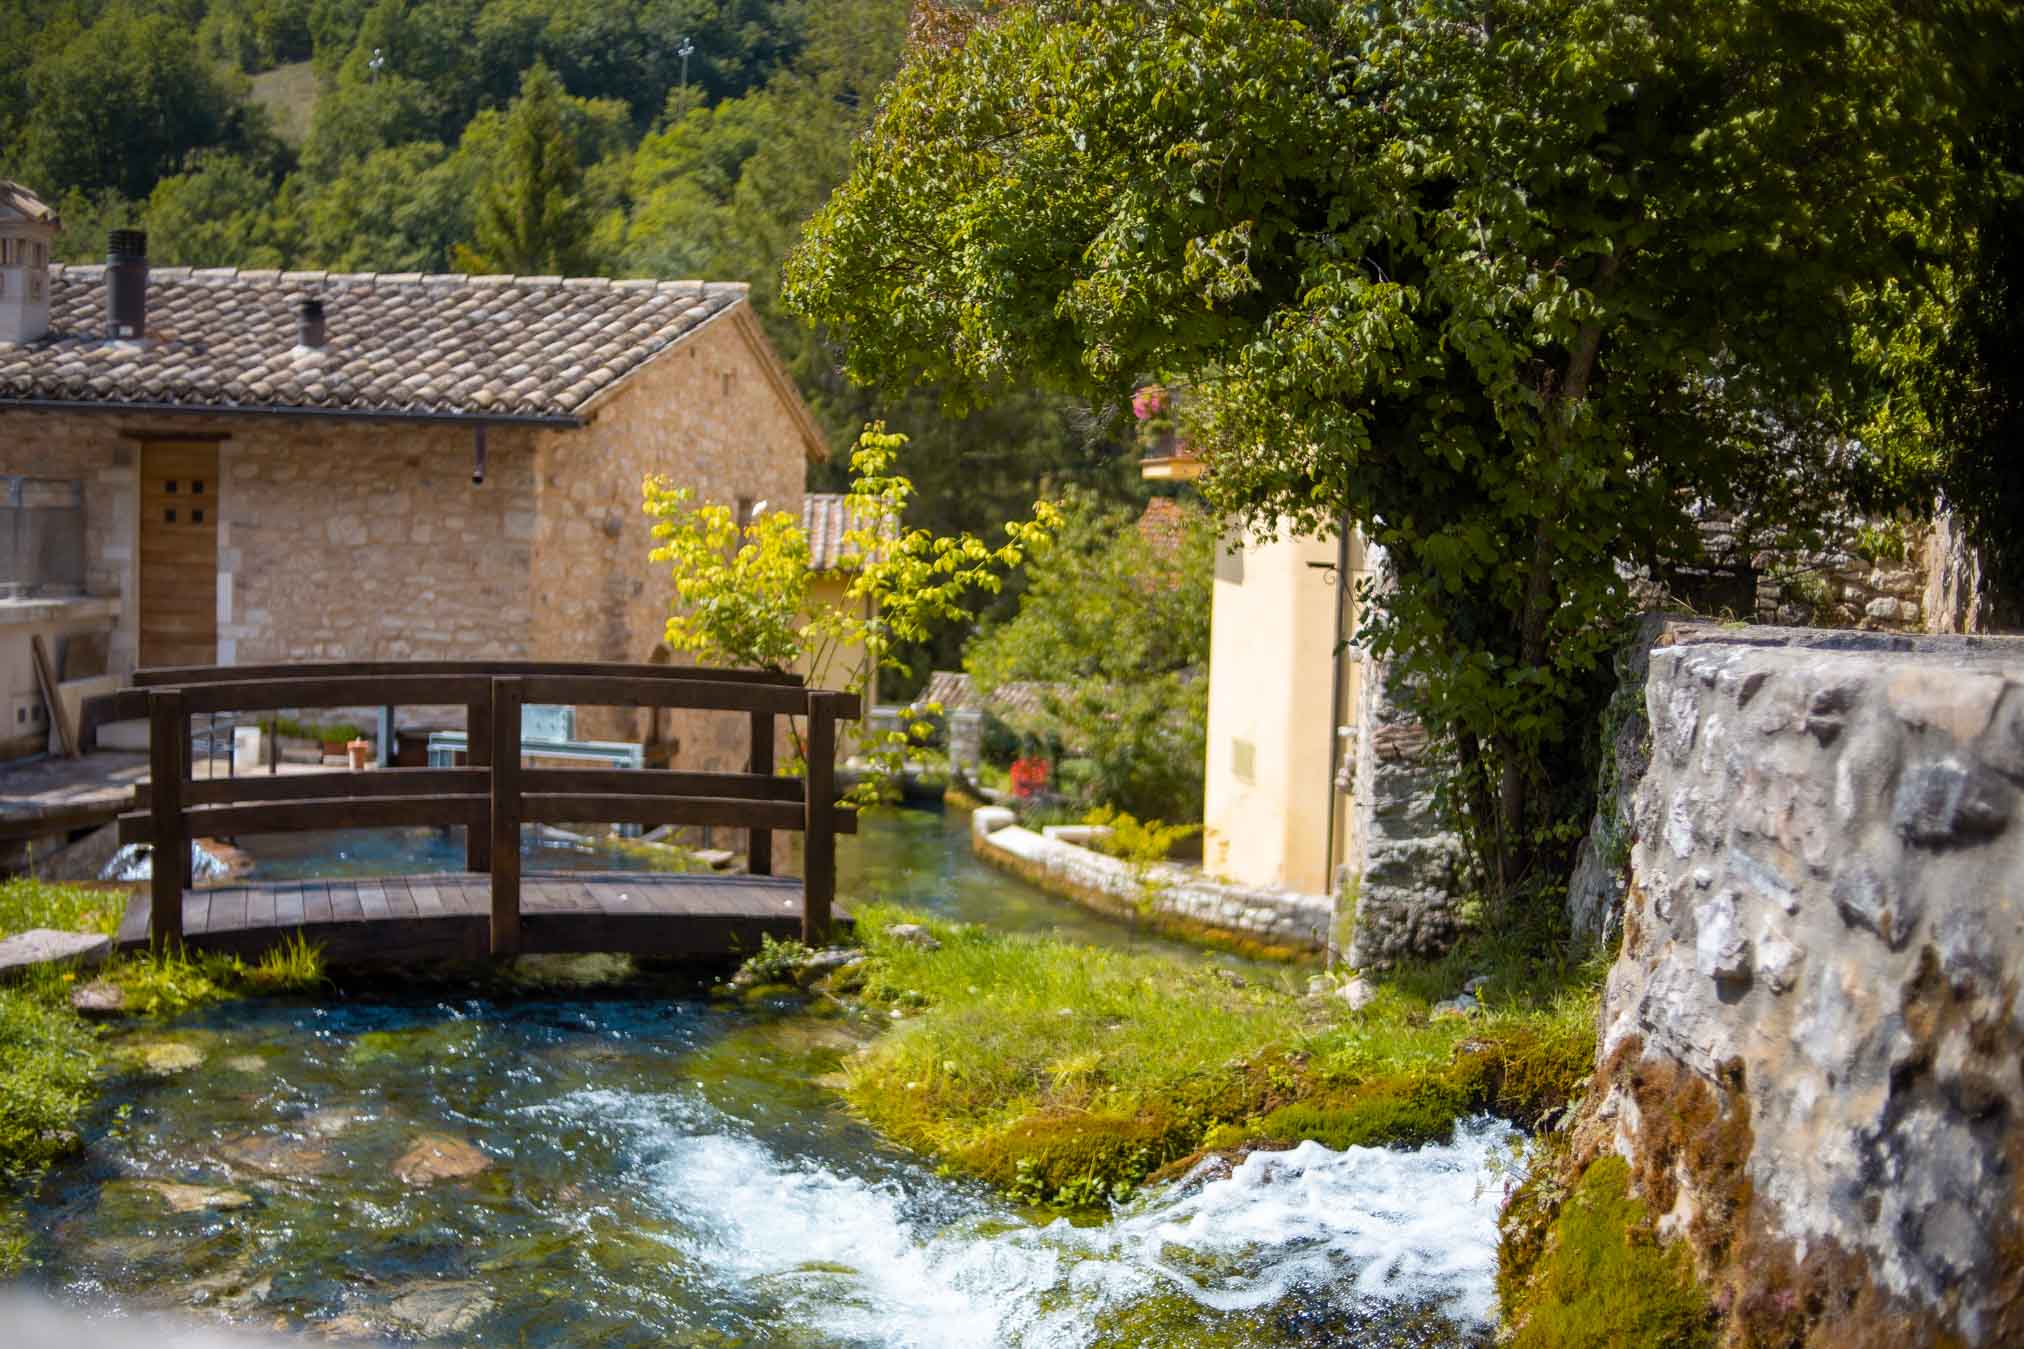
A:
[659,1169]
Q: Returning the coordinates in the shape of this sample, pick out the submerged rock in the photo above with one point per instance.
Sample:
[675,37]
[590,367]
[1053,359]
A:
[194,1198]
[437,1311]
[165,1058]
[276,1155]
[437,1157]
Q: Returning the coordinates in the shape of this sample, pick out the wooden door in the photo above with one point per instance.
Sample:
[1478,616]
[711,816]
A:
[179,554]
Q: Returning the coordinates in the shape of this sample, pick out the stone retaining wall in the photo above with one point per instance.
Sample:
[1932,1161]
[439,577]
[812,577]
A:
[1173,896]
[1811,1040]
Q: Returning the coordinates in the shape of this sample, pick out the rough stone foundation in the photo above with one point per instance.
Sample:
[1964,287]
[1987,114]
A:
[1811,1041]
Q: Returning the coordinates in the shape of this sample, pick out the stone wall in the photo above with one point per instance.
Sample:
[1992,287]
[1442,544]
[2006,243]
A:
[109,467]
[1406,864]
[1260,917]
[369,541]
[1811,1039]
[1887,576]
[709,417]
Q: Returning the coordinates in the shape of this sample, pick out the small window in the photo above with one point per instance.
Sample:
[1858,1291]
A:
[172,486]
[41,254]
[197,516]
[169,515]
[197,486]
[1243,760]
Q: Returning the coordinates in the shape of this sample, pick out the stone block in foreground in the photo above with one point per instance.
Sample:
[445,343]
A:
[39,946]
[1812,1047]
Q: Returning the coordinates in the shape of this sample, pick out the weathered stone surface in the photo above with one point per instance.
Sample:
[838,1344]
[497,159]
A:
[38,946]
[1406,861]
[98,998]
[435,1157]
[913,934]
[1824,931]
[1111,885]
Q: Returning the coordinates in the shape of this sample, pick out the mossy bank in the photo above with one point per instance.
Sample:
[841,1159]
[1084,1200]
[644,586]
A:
[1067,1074]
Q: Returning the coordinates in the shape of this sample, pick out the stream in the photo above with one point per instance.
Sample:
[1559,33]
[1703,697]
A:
[640,1166]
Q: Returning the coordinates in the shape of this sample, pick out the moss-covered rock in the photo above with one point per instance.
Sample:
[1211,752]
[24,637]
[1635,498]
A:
[1596,1275]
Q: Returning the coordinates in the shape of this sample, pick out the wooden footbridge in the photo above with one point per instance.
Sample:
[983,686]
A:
[489,908]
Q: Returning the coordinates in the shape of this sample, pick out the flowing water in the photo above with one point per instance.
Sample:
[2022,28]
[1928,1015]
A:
[660,1170]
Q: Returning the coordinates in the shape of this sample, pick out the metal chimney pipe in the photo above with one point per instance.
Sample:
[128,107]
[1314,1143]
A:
[126,284]
[309,322]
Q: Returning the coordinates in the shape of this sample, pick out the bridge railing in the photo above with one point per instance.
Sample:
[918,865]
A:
[493,795]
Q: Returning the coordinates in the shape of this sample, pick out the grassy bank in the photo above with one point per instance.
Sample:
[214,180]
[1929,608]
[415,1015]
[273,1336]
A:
[1067,1074]
[52,1060]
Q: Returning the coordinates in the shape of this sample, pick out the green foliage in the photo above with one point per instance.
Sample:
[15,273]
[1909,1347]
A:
[776,963]
[1144,844]
[1460,283]
[531,216]
[1604,1279]
[114,101]
[1120,622]
[742,594]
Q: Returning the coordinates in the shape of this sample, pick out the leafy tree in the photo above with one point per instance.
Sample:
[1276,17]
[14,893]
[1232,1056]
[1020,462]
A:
[741,595]
[1508,285]
[1117,615]
[531,216]
[221,212]
[118,103]
[398,210]
[1950,414]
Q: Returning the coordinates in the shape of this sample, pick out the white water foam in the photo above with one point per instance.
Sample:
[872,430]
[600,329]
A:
[884,1262]
[136,862]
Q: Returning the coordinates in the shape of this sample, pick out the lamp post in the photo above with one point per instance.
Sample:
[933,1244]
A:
[684,51]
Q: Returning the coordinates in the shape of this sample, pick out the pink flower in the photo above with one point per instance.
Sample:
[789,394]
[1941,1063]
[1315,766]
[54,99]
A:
[1149,402]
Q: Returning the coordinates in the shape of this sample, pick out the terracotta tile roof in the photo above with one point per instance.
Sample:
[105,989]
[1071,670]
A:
[18,203]
[826,517]
[956,691]
[1164,523]
[472,346]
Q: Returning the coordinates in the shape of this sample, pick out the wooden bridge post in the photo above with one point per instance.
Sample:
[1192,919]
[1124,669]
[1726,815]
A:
[167,728]
[759,842]
[818,867]
[507,695]
[478,754]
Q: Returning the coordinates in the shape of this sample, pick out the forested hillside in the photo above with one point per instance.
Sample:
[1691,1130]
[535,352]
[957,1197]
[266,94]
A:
[527,136]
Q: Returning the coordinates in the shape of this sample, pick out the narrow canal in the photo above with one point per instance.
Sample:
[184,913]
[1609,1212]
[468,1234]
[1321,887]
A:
[640,1166]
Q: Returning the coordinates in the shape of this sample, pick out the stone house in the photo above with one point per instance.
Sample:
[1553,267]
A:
[283,466]
[827,520]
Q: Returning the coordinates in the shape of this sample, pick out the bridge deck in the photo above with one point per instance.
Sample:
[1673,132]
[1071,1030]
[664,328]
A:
[445,916]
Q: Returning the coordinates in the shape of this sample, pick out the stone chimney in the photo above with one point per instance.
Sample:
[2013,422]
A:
[309,324]
[126,285]
[27,230]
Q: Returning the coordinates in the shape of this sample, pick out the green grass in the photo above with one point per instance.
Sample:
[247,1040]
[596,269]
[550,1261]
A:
[52,1060]
[1067,1073]
[289,93]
